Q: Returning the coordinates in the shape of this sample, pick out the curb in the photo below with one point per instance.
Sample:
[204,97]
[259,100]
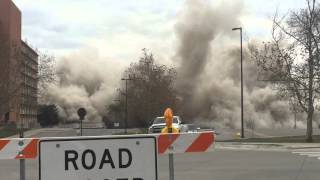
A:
[266,146]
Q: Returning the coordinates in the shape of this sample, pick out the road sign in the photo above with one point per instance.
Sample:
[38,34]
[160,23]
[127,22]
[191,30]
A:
[98,158]
[82,113]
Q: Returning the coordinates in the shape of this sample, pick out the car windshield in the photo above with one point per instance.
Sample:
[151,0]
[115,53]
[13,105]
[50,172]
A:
[160,120]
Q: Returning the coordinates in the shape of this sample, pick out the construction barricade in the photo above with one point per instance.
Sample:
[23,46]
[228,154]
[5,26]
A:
[28,148]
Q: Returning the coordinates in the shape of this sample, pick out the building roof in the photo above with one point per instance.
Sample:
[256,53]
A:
[29,48]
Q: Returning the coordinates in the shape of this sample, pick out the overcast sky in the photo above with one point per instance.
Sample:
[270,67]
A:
[119,29]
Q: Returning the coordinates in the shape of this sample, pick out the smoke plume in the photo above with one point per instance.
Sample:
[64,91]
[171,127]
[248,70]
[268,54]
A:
[209,70]
[85,80]
[208,81]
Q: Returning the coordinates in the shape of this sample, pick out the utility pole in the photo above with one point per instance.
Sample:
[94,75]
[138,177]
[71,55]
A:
[241,71]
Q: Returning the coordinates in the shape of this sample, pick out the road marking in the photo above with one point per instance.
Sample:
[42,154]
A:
[259,134]
[309,153]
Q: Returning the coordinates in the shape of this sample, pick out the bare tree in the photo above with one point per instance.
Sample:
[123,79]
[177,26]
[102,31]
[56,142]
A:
[291,58]
[149,91]
[46,74]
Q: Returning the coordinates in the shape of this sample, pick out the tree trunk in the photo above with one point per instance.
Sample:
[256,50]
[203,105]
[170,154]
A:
[309,125]
[310,91]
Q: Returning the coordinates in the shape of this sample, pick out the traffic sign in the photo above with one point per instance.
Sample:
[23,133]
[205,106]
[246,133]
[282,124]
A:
[98,158]
[82,113]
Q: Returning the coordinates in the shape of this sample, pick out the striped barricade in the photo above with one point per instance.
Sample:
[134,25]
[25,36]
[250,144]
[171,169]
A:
[185,142]
[19,148]
[27,148]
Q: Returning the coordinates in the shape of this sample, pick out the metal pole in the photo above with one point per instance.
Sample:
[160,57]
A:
[22,161]
[126,105]
[22,169]
[242,128]
[171,167]
[81,127]
[241,81]
[171,161]
[126,113]
[295,119]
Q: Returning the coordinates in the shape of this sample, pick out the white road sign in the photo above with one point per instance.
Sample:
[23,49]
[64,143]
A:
[98,158]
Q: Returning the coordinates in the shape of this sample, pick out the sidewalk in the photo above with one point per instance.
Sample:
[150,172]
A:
[266,146]
[34,132]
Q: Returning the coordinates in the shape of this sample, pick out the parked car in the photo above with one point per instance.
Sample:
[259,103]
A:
[159,123]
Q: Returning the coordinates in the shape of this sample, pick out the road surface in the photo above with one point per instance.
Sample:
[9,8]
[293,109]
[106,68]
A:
[220,164]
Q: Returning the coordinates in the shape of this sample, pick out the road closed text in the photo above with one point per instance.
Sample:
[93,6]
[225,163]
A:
[88,159]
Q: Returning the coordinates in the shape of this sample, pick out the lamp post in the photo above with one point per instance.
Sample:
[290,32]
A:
[126,104]
[118,114]
[241,71]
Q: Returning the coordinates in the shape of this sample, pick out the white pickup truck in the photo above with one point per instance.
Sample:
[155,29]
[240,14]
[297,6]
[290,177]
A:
[159,123]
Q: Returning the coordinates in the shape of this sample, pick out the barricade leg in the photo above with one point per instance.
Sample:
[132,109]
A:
[22,161]
[171,167]
[22,169]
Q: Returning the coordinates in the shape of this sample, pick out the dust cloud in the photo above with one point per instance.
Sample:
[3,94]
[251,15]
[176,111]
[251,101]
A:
[208,58]
[208,65]
[85,80]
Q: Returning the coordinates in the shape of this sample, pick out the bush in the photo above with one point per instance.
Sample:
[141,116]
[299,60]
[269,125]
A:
[8,129]
[48,115]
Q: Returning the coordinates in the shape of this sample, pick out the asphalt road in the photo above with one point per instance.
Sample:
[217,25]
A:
[241,165]
[221,164]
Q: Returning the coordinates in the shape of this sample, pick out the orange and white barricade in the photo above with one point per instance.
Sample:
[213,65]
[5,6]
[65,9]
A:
[27,148]
[19,148]
[185,142]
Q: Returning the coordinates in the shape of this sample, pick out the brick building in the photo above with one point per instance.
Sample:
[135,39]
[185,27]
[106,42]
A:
[18,70]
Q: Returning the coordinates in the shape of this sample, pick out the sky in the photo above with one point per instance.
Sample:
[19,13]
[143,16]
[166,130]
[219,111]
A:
[120,29]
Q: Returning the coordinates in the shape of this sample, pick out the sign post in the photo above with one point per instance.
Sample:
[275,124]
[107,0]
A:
[81,113]
[92,158]
[168,115]
[171,161]
[22,161]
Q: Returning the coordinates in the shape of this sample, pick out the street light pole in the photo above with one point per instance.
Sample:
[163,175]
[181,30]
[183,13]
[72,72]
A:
[126,104]
[241,71]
